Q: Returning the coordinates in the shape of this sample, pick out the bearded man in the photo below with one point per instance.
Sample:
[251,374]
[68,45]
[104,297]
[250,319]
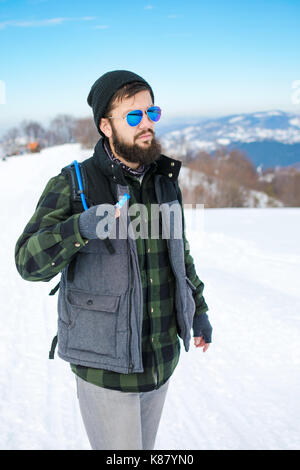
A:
[124,302]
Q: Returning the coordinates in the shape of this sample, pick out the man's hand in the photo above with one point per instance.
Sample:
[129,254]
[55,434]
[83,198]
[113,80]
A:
[202,331]
[89,220]
[199,342]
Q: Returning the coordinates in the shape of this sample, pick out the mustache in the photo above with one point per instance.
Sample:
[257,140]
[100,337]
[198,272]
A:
[149,131]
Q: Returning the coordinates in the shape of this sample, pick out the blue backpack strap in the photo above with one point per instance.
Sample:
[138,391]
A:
[80,190]
[78,186]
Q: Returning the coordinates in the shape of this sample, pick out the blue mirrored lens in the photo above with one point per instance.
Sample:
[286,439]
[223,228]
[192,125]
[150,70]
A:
[134,117]
[154,113]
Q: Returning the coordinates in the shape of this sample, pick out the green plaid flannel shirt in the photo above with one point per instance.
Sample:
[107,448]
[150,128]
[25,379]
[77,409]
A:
[51,239]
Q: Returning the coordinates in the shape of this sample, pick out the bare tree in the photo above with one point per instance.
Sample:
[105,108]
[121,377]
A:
[50,138]
[286,186]
[9,141]
[236,167]
[203,162]
[86,132]
[11,135]
[226,175]
[32,130]
[62,129]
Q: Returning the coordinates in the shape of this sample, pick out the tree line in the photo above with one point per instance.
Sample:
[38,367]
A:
[63,129]
[230,179]
[226,178]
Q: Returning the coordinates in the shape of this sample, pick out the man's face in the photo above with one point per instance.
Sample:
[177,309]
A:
[133,144]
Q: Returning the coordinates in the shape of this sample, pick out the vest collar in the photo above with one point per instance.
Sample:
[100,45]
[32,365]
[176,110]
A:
[164,165]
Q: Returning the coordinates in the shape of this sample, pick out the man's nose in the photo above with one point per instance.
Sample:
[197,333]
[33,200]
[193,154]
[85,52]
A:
[145,122]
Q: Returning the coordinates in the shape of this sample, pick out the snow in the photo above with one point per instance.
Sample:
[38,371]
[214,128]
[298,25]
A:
[243,393]
[295,122]
[274,113]
[236,118]
[260,199]
[223,141]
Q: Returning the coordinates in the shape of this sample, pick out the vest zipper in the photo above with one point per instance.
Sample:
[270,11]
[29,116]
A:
[130,333]
[130,365]
[154,355]
[132,254]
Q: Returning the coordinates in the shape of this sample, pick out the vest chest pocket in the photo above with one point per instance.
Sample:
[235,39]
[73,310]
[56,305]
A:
[104,274]
[93,322]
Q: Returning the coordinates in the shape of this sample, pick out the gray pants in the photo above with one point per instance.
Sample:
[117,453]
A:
[117,420]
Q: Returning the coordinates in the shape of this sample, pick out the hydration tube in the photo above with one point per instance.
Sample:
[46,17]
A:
[80,185]
[118,205]
[122,201]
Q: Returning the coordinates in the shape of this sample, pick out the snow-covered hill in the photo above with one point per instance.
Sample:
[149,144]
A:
[243,393]
[270,138]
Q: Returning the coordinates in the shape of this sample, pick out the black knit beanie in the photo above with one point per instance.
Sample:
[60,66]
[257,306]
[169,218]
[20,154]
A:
[105,87]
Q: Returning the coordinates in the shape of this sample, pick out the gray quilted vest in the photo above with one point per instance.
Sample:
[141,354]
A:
[100,306]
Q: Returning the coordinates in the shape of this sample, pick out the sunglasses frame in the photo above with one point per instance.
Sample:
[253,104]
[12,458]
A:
[133,110]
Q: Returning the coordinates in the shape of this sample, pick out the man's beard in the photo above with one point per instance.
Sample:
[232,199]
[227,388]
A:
[133,153]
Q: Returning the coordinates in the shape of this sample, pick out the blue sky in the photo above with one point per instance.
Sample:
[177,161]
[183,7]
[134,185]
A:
[202,58]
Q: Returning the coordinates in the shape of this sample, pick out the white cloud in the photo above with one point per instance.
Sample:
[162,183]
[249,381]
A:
[46,22]
[148,7]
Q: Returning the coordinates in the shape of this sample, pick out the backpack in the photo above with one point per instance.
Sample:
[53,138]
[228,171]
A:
[77,176]
[78,184]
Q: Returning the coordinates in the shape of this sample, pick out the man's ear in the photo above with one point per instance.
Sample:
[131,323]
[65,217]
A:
[105,127]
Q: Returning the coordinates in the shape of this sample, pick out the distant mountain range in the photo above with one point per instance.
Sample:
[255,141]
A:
[270,138]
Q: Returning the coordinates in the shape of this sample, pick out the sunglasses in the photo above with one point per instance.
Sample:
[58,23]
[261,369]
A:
[134,117]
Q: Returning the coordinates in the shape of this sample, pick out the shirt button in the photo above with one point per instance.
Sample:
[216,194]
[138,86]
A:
[90,302]
[151,280]
[151,309]
[77,244]
[152,340]
[148,250]
[86,242]
[53,263]
[170,175]
[172,163]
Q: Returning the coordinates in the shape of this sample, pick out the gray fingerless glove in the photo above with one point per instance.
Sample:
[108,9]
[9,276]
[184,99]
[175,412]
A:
[89,225]
[202,327]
